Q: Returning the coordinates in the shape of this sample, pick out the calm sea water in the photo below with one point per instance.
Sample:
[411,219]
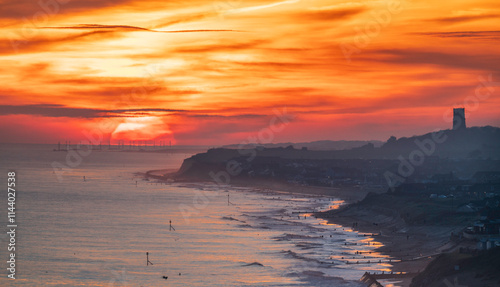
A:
[96,232]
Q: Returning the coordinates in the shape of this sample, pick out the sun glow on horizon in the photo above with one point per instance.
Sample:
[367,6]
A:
[217,70]
[141,128]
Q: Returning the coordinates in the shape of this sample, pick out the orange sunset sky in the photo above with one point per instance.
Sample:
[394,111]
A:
[212,72]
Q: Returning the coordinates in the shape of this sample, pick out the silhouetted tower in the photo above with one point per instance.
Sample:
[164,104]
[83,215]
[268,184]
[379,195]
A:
[459,119]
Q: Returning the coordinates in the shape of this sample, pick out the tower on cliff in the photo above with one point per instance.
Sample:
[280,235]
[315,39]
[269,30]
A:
[459,119]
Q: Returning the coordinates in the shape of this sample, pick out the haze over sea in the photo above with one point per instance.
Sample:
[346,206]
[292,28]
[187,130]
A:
[97,232]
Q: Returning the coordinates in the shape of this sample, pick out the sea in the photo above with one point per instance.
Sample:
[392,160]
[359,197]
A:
[91,218]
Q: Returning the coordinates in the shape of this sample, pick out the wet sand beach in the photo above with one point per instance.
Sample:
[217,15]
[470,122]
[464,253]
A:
[410,248]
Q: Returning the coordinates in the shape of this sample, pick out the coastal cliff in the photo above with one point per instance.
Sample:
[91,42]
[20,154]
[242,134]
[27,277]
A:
[461,153]
[413,223]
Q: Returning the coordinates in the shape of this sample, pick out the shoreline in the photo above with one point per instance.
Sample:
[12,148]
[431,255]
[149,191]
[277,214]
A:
[349,194]
[415,248]
[412,246]
[397,246]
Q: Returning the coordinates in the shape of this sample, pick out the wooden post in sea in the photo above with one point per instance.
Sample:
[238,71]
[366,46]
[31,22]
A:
[171,227]
[147,259]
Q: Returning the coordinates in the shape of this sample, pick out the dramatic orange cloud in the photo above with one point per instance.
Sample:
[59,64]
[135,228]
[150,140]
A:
[215,72]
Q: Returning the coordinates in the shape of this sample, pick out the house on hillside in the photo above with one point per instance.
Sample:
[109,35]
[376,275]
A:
[486,177]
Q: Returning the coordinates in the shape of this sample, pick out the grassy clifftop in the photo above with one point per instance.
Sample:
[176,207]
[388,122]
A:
[413,210]
[455,269]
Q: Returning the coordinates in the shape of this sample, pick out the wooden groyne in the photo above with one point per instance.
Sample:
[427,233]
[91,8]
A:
[352,261]
[392,275]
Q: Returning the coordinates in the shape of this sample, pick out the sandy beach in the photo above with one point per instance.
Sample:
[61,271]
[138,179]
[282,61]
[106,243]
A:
[411,248]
